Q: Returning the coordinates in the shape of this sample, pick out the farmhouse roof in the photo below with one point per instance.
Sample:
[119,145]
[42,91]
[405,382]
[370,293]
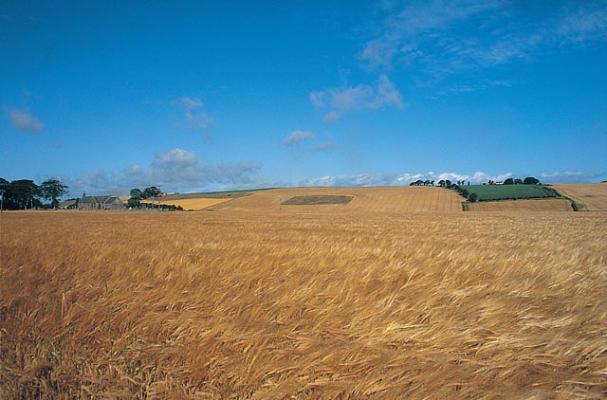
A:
[100,199]
[67,203]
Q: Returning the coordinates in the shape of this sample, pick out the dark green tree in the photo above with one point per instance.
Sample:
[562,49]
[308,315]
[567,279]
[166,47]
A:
[52,189]
[4,186]
[136,194]
[509,181]
[151,191]
[21,194]
[133,202]
[531,180]
[473,197]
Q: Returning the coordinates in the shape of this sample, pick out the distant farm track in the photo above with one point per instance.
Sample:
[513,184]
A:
[522,205]
[593,196]
[376,199]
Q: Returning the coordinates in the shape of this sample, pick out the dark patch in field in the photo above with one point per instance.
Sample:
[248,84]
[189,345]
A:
[316,200]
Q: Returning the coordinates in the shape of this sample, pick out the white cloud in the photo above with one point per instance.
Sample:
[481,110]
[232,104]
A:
[25,122]
[297,137]
[178,157]
[337,102]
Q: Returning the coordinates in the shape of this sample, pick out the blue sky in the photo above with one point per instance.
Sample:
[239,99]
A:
[233,94]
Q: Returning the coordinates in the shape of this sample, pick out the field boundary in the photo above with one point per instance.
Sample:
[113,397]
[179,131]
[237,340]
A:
[467,191]
[575,206]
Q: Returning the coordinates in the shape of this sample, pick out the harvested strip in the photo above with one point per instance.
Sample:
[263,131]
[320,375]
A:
[317,200]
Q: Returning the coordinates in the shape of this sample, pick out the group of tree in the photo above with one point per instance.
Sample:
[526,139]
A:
[137,195]
[472,197]
[23,194]
[420,182]
[442,183]
[530,180]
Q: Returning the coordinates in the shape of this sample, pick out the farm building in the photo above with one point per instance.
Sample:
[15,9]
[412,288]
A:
[100,203]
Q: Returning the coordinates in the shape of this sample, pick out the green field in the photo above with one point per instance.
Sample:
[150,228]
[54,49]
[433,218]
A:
[510,192]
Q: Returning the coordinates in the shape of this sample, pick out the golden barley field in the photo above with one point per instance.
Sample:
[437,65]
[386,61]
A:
[316,305]
[593,196]
[522,205]
[193,204]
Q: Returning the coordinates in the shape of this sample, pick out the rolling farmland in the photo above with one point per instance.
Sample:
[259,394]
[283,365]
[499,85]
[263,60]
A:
[276,304]
[373,199]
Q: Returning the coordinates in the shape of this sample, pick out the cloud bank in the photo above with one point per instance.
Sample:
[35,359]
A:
[176,170]
[362,180]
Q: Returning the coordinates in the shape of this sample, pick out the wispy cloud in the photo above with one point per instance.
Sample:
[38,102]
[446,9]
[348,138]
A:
[405,33]
[296,137]
[190,103]
[440,37]
[587,23]
[325,146]
[25,122]
[336,102]
[195,117]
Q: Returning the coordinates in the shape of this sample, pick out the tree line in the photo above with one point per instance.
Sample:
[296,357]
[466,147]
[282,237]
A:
[24,194]
[137,195]
[530,180]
